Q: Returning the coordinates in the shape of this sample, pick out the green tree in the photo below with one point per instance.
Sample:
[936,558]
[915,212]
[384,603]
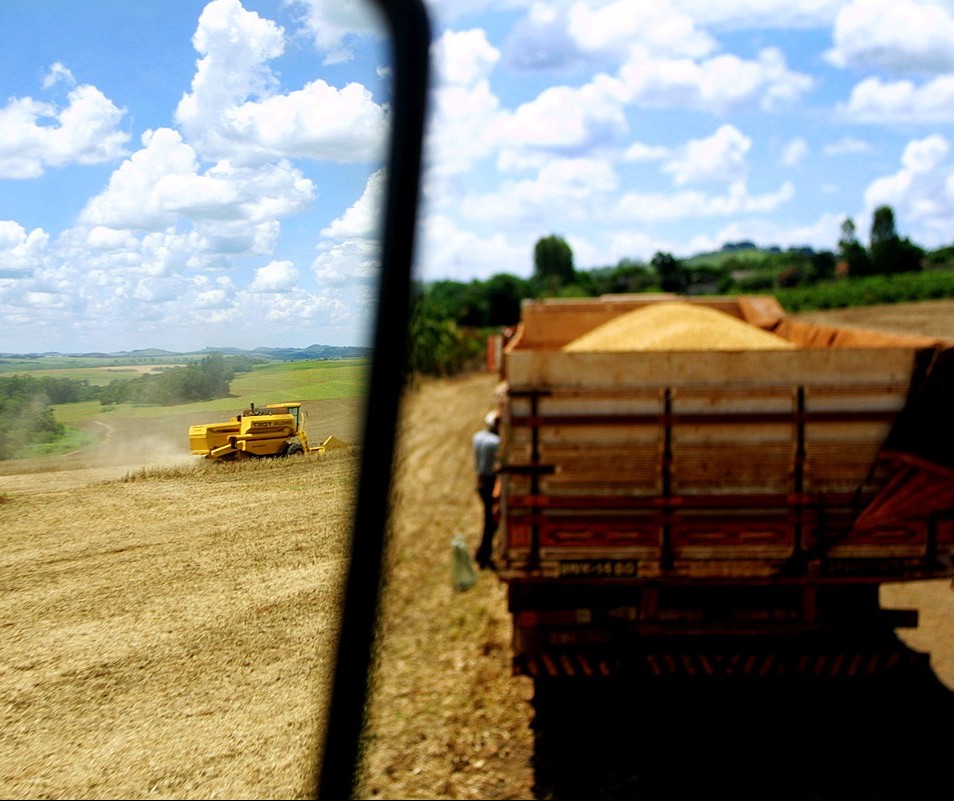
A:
[553,262]
[504,294]
[851,251]
[672,275]
[889,252]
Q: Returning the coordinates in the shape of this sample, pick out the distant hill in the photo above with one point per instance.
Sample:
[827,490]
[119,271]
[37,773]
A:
[296,354]
[272,354]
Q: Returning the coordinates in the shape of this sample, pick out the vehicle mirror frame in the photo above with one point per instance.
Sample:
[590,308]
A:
[410,38]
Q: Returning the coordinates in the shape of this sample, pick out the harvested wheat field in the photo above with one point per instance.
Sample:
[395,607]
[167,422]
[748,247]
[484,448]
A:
[167,633]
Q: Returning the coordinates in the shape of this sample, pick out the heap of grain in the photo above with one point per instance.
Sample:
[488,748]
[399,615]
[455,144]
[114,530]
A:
[676,326]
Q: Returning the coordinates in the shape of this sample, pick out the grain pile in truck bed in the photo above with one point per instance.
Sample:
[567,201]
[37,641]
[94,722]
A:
[676,326]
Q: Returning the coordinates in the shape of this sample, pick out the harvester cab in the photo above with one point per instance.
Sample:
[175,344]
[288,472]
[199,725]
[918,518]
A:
[277,429]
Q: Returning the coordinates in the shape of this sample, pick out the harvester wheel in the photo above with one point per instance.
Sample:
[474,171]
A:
[294,449]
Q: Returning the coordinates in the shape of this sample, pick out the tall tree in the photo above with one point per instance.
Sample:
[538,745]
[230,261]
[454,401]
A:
[672,275]
[553,261]
[889,252]
[851,251]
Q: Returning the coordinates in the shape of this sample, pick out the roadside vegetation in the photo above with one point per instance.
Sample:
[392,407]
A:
[451,319]
[28,425]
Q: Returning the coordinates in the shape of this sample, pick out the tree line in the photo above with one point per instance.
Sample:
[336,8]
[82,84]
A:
[450,319]
[26,401]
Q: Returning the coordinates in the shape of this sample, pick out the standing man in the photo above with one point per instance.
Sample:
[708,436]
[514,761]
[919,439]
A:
[486,445]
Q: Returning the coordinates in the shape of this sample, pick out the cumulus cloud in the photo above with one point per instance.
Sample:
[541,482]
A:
[565,36]
[35,135]
[277,276]
[819,234]
[235,110]
[571,186]
[350,251]
[874,100]
[361,220]
[58,72]
[449,250]
[162,183]
[567,121]
[760,14]
[720,157]
[21,252]
[720,84]
[621,24]
[463,58]
[640,151]
[332,26]
[920,191]
[894,35]
[345,263]
[678,205]
[466,114]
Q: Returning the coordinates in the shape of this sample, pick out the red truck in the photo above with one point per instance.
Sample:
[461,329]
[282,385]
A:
[718,512]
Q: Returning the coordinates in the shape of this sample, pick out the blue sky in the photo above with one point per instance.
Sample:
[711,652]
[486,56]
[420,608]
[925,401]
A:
[192,174]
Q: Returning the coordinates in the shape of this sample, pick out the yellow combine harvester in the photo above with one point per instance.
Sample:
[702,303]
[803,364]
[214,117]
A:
[277,429]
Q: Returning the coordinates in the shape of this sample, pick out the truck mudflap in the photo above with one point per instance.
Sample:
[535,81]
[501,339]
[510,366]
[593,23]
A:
[726,661]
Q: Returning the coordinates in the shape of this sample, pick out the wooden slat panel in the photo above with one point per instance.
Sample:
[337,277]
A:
[786,368]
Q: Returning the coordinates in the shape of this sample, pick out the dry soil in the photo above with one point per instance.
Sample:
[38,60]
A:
[168,630]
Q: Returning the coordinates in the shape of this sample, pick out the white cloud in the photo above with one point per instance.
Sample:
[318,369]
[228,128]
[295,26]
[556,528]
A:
[822,234]
[235,111]
[355,259]
[465,113]
[463,58]
[793,152]
[719,84]
[761,14]
[35,135]
[58,72]
[846,146]
[351,261]
[568,120]
[876,101]
[923,155]
[679,205]
[213,294]
[161,184]
[638,245]
[362,220]
[570,186]
[620,24]
[317,121]
[448,251]
[639,151]
[720,157]
[277,276]
[156,290]
[21,252]
[919,191]
[332,25]
[894,35]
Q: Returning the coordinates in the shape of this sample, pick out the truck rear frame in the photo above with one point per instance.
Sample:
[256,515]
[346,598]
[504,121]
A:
[685,503]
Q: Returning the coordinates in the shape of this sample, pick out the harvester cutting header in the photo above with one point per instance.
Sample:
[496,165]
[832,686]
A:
[277,429]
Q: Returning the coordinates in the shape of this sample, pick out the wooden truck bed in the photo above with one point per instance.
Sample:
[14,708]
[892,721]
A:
[668,483]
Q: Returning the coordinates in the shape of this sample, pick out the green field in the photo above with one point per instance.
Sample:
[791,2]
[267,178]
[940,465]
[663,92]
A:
[97,370]
[266,383]
[96,376]
[269,382]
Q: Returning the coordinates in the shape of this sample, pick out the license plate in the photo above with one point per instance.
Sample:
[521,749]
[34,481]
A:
[598,568]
